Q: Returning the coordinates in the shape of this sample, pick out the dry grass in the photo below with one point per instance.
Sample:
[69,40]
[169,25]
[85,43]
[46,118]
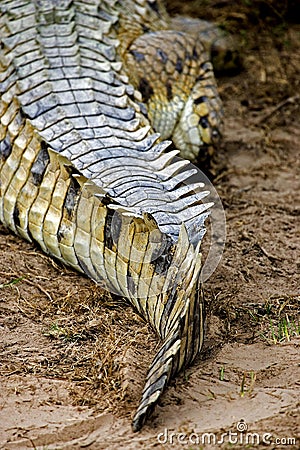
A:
[90,331]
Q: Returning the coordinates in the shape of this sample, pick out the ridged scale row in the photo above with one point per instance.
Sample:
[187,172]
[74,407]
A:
[82,174]
[71,89]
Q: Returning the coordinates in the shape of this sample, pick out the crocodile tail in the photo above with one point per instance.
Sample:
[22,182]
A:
[180,347]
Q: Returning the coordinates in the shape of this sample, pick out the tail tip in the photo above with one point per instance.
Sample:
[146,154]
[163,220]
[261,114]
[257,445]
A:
[138,421]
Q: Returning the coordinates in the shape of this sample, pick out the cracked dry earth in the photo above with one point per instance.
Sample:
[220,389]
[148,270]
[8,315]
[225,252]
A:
[73,359]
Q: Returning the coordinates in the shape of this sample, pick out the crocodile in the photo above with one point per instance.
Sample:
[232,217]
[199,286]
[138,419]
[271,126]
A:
[86,172]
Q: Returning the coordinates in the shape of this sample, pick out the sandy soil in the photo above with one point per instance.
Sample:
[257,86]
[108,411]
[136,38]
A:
[73,358]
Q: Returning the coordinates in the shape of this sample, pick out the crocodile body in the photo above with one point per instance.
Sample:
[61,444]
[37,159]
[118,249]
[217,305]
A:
[84,175]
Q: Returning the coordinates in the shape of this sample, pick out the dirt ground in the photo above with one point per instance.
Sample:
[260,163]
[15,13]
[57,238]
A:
[73,359]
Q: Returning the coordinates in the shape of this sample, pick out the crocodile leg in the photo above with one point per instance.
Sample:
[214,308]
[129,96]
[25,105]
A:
[222,49]
[179,91]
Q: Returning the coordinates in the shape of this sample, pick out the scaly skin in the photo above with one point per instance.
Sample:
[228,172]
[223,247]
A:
[171,69]
[83,174]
